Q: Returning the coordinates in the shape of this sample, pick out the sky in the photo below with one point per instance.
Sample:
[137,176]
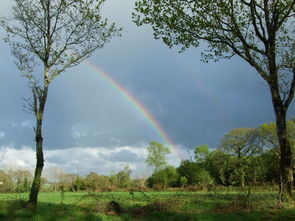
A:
[92,125]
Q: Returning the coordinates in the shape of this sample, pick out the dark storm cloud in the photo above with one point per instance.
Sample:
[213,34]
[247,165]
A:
[195,103]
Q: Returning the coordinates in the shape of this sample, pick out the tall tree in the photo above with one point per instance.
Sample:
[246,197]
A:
[47,37]
[201,153]
[268,138]
[261,32]
[157,156]
[241,143]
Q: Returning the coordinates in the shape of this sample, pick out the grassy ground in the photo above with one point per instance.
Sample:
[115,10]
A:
[148,206]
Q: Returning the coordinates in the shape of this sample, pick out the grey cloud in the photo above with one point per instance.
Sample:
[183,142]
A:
[125,156]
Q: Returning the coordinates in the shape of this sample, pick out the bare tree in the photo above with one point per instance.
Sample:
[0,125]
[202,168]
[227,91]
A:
[47,37]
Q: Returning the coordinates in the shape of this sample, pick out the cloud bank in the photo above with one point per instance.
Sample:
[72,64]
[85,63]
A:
[82,160]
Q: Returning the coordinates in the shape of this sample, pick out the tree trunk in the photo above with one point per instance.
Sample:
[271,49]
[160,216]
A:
[286,170]
[39,98]
[40,163]
[242,179]
[241,172]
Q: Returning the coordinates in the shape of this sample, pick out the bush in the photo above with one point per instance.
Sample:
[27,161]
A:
[167,177]
[204,178]
[182,181]
[194,174]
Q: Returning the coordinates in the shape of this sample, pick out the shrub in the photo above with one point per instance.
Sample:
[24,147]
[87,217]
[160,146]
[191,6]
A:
[166,177]
[194,174]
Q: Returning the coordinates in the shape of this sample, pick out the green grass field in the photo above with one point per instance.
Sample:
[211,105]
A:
[222,205]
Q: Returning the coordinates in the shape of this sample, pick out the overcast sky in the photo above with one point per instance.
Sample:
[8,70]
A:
[90,126]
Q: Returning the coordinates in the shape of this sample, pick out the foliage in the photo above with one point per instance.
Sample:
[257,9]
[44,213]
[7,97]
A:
[7,183]
[240,142]
[246,159]
[268,138]
[217,163]
[194,174]
[95,181]
[78,184]
[182,181]
[228,27]
[123,177]
[164,178]
[56,35]
[213,167]
[23,179]
[15,181]
[157,155]
[261,32]
[201,153]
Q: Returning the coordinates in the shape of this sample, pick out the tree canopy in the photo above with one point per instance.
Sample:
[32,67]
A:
[157,155]
[261,32]
[240,142]
[47,37]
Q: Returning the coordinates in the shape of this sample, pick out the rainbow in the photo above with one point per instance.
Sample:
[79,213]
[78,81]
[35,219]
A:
[137,105]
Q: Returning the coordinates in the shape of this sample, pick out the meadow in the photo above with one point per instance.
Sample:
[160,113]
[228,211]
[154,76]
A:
[212,205]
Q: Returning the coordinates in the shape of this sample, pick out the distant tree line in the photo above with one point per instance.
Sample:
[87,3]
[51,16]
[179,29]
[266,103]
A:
[245,156]
[15,181]
[18,181]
